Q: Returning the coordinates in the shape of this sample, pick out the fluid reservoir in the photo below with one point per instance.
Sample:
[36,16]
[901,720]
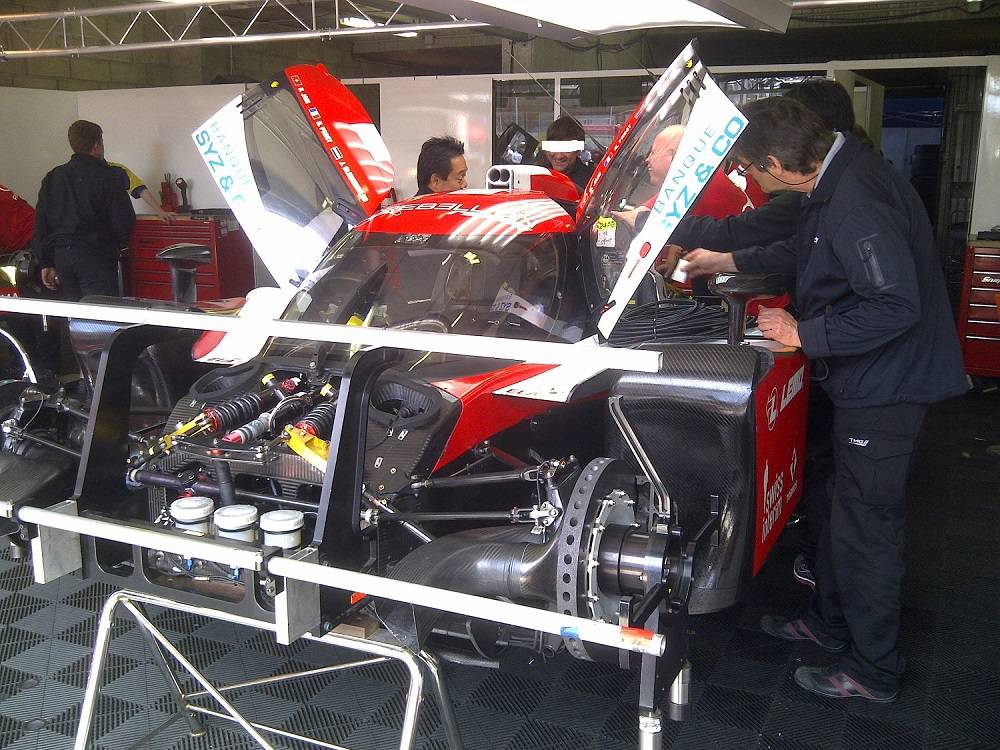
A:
[192,513]
[283,528]
[237,522]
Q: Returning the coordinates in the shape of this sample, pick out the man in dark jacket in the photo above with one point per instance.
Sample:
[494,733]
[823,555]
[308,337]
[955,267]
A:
[83,218]
[873,311]
[770,222]
[562,148]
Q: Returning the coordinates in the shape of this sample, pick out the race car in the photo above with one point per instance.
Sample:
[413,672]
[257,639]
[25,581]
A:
[629,497]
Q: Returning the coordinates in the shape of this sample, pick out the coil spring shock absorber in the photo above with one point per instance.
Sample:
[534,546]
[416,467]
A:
[285,411]
[240,410]
[319,421]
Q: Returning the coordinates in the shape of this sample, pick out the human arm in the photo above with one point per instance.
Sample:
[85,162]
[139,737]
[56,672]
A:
[42,227]
[121,215]
[775,220]
[702,262]
[873,250]
[147,196]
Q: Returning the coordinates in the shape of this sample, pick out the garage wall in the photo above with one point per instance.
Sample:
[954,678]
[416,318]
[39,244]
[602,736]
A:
[150,131]
[33,136]
[415,109]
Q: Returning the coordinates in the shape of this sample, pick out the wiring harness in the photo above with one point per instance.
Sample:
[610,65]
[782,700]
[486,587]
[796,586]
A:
[675,321]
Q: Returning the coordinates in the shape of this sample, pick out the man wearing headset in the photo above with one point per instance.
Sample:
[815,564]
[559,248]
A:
[873,308]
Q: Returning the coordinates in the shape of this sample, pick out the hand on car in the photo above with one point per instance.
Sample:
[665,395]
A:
[702,262]
[50,278]
[629,216]
[777,325]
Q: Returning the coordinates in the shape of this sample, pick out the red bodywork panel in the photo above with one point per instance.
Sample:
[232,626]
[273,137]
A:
[780,405]
[338,120]
[485,414]
[473,213]
[556,185]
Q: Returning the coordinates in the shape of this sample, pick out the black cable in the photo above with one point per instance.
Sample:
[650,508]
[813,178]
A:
[670,321]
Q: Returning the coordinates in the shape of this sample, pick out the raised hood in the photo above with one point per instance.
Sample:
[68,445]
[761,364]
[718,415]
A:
[633,202]
[299,161]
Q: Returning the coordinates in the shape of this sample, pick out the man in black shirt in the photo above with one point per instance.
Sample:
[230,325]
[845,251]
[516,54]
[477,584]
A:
[83,219]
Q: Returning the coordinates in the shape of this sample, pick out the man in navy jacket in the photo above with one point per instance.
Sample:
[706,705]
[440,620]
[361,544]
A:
[874,313]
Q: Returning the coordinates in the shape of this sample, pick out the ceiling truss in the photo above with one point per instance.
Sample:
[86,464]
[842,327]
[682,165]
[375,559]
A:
[198,23]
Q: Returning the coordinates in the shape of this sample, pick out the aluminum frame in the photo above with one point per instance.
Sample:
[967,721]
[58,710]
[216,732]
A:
[419,666]
[177,22]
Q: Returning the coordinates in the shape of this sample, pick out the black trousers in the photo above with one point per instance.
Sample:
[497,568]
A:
[82,272]
[859,566]
[817,480]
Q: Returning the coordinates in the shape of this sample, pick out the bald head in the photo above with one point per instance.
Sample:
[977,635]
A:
[661,155]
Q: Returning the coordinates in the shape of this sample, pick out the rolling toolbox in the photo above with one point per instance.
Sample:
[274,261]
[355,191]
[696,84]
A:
[229,274]
[979,312]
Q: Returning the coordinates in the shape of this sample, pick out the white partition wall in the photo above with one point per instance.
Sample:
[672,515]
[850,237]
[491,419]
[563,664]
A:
[149,130]
[414,109]
[986,201]
[33,139]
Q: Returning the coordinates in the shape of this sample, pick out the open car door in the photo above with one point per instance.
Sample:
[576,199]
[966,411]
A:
[626,213]
[299,161]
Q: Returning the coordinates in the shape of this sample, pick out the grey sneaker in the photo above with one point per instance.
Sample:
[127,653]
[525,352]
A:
[797,630]
[802,573]
[831,682]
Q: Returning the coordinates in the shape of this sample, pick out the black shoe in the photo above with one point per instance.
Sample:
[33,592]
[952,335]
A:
[830,682]
[797,630]
[802,572]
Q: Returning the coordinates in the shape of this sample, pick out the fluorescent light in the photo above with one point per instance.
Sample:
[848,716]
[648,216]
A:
[407,34]
[358,23]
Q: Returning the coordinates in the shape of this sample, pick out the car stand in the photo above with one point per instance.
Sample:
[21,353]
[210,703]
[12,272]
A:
[419,666]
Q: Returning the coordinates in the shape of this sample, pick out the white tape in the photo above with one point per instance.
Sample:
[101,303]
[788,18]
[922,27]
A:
[680,271]
[446,600]
[518,350]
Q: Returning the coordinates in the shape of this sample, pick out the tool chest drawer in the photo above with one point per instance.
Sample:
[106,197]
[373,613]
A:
[979,310]
[229,274]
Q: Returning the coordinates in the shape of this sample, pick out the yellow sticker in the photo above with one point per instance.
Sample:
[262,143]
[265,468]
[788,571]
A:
[472,258]
[606,230]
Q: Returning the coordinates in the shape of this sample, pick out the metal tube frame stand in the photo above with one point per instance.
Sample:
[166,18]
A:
[418,667]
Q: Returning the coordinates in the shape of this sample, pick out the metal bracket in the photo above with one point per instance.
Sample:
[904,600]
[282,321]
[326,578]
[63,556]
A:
[296,608]
[55,552]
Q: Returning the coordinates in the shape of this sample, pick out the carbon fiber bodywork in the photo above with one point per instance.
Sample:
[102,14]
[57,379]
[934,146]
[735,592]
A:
[695,421]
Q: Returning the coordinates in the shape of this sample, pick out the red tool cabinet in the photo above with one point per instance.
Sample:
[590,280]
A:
[230,274]
[979,315]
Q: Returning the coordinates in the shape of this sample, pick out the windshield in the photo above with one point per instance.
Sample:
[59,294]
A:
[526,287]
[299,190]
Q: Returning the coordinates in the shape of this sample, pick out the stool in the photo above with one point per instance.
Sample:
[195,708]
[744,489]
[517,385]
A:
[184,259]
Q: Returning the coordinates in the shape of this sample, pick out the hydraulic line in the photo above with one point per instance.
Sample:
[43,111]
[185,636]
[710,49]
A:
[227,490]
